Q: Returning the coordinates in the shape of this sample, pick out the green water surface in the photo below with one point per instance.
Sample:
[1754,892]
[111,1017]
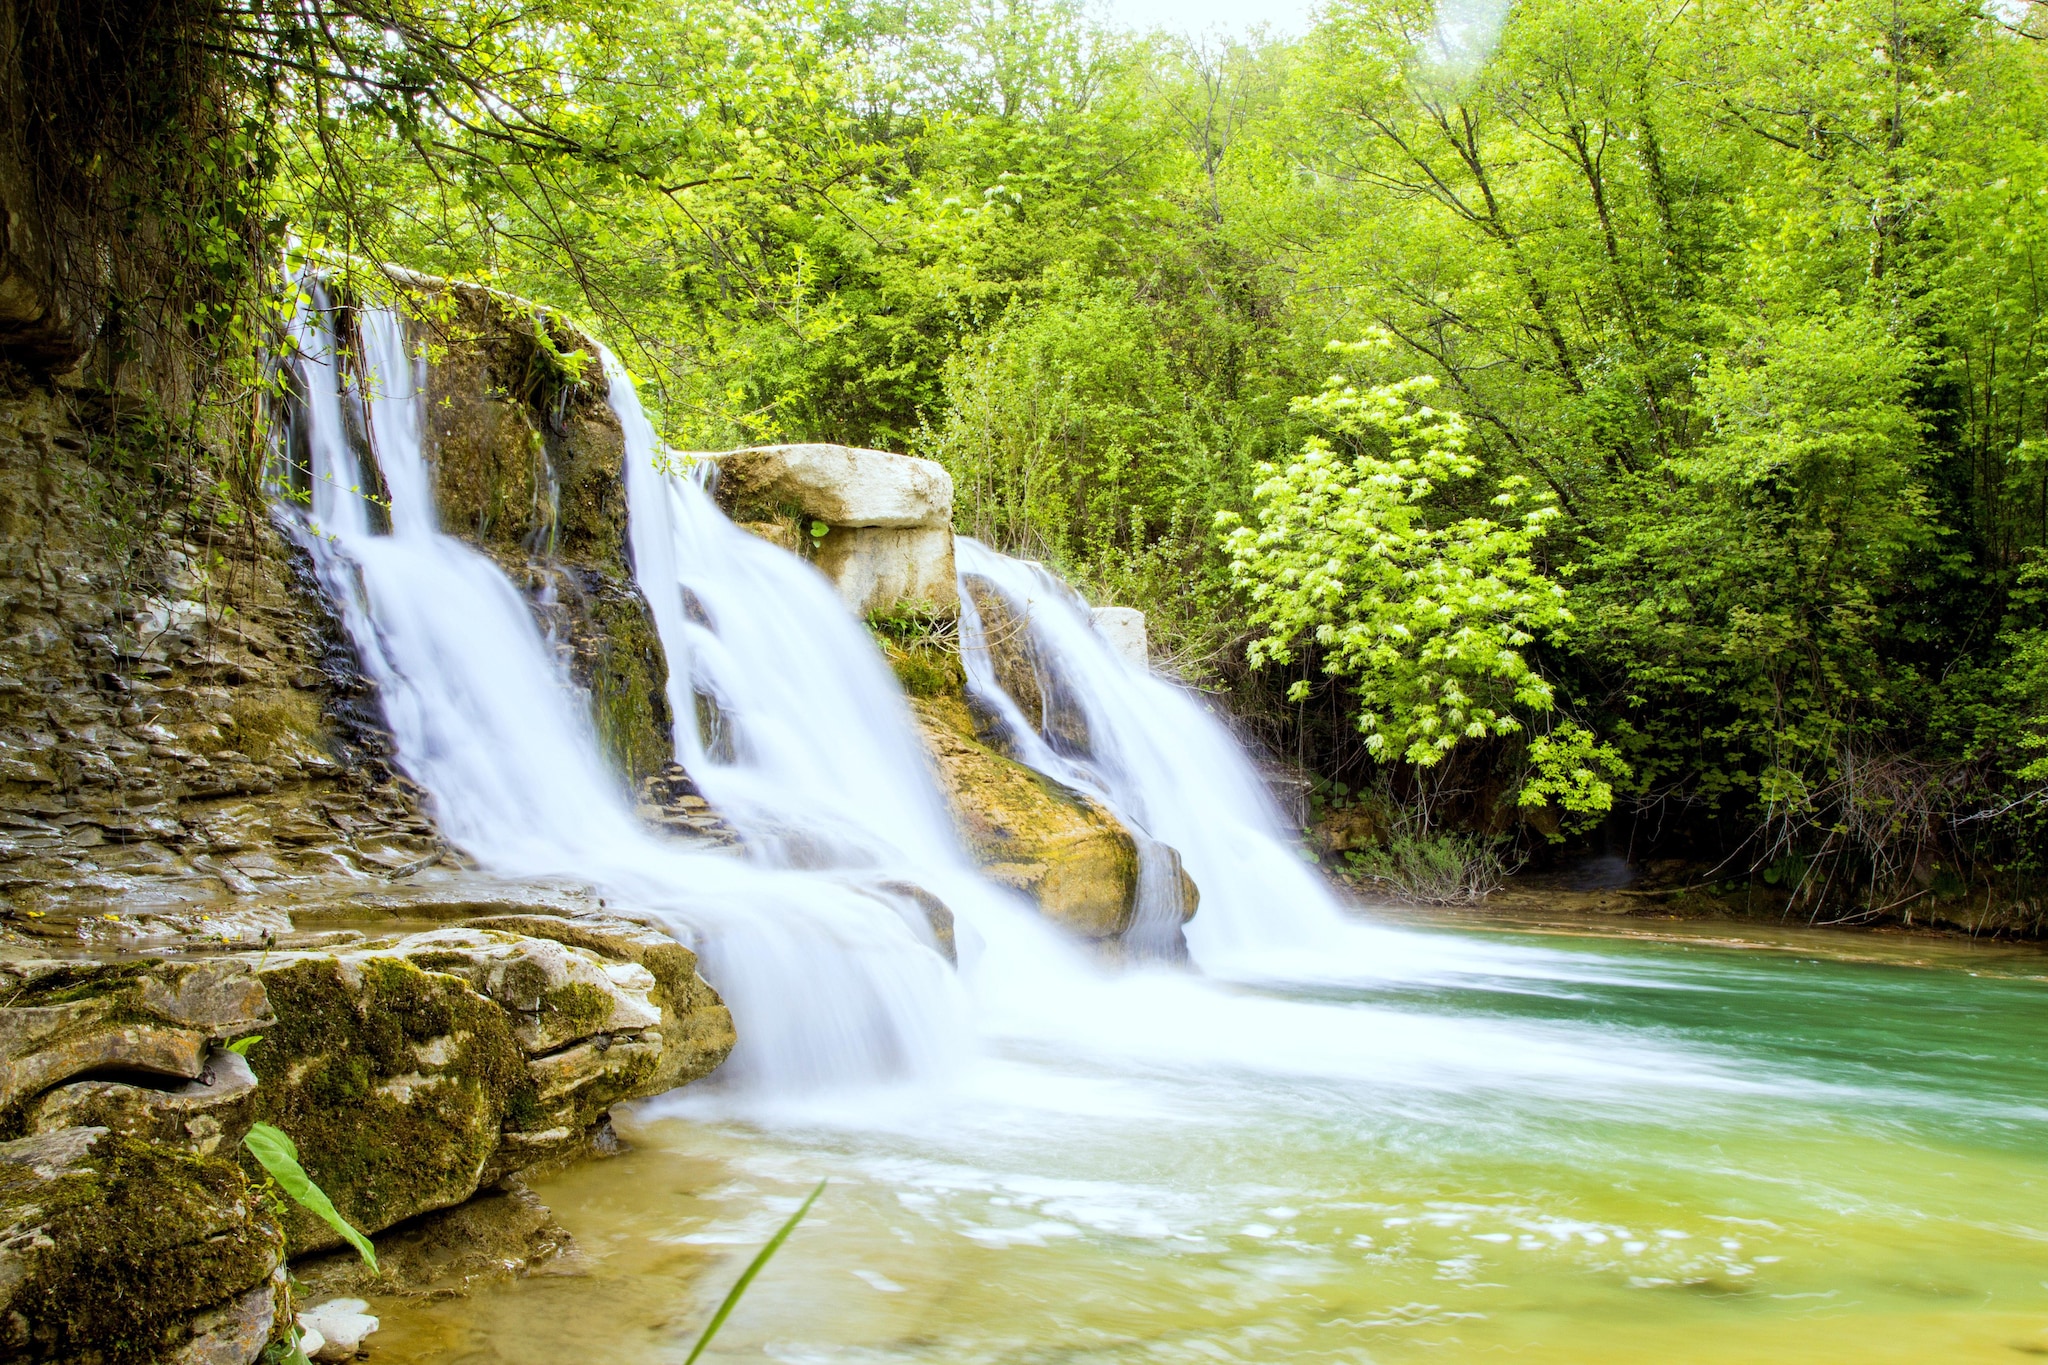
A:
[1798,1158]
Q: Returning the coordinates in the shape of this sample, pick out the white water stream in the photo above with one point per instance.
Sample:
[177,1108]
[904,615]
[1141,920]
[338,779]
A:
[831,975]
[1317,1140]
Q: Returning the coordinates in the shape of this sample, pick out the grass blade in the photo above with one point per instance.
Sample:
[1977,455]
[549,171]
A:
[746,1278]
[280,1156]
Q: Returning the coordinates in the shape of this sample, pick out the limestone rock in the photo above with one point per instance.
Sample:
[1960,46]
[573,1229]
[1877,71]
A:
[879,569]
[838,485]
[1056,845]
[1124,629]
[696,1027]
[343,1325]
[502,1233]
[119,1251]
[64,1019]
[208,1114]
[670,801]
[181,723]
[554,994]
[235,1333]
[887,519]
[394,1082]
[529,466]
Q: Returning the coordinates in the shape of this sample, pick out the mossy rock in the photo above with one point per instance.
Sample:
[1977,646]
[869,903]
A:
[111,1248]
[1058,846]
[394,1082]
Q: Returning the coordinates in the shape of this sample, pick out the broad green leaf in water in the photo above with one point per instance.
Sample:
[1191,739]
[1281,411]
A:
[746,1278]
[279,1156]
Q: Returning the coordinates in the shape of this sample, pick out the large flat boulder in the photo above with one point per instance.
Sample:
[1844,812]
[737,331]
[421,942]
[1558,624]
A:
[838,485]
[879,525]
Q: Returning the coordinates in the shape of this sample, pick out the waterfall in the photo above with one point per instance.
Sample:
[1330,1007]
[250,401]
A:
[828,982]
[1163,760]
[791,722]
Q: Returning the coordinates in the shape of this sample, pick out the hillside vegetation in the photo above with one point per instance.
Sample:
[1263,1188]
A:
[1620,413]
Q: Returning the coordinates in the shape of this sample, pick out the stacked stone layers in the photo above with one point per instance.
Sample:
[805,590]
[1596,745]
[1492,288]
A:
[880,526]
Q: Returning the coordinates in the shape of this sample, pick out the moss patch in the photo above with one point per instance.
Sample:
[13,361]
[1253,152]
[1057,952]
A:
[139,1239]
[395,1088]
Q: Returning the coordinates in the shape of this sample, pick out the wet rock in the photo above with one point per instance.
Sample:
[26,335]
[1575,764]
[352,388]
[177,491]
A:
[208,1114]
[1058,846]
[934,913]
[416,1070]
[1033,681]
[669,800]
[696,1027]
[529,466]
[501,1234]
[343,1325]
[395,1083]
[66,1020]
[235,1333]
[554,994]
[182,720]
[117,1250]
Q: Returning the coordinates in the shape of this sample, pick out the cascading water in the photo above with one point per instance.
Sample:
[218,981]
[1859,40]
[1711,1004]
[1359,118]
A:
[826,965]
[826,984]
[1171,766]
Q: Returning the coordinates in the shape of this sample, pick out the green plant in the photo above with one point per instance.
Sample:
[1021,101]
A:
[1433,867]
[739,1288]
[279,1156]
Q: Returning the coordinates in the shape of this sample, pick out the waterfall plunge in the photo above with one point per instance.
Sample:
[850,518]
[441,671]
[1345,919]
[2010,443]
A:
[826,984]
[1170,766]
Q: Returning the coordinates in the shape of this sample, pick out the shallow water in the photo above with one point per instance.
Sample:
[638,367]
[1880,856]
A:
[1559,1147]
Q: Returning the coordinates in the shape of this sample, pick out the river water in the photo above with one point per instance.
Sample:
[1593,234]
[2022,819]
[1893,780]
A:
[1322,1137]
[1615,1151]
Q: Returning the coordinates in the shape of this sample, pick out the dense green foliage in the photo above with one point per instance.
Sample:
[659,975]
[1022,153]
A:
[1699,466]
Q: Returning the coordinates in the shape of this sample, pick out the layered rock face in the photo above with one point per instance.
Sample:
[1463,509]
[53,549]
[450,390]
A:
[529,466]
[887,520]
[413,1072]
[180,717]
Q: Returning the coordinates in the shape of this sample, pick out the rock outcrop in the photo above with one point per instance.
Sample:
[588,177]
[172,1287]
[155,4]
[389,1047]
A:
[529,466]
[413,1072]
[1058,846]
[880,526]
[181,720]
[118,1250]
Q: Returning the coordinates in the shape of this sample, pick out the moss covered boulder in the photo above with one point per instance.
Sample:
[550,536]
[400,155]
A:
[696,1027]
[1058,846]
[115,1250]
[394,1082]
[529,466]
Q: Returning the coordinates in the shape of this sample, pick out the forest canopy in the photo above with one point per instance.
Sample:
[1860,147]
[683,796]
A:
[1682,463]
